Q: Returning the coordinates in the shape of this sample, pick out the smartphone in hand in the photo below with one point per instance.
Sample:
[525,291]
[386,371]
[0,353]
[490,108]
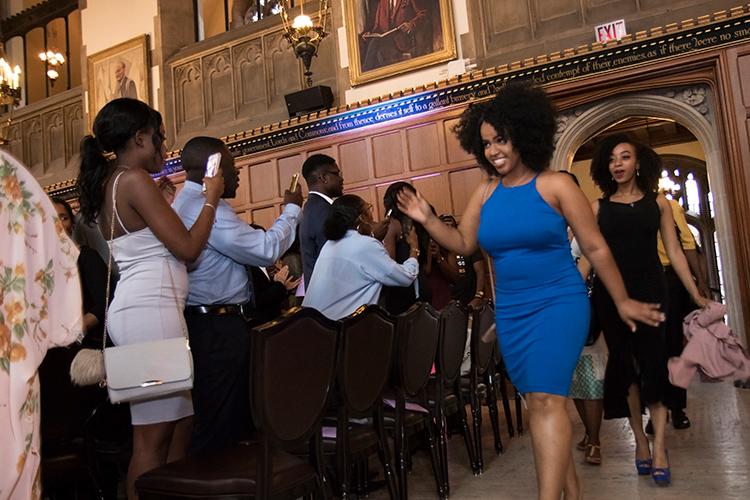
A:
[212,166]
[295,181]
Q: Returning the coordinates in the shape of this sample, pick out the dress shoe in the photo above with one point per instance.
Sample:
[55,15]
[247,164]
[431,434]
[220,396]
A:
[680,420]
[662,476]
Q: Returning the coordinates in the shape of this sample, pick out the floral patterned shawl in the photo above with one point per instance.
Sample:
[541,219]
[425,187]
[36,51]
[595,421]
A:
[40,307]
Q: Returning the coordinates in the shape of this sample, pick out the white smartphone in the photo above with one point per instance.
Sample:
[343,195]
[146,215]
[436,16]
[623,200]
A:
[212,166]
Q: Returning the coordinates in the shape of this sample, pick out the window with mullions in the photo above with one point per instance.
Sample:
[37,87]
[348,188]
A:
[213,17]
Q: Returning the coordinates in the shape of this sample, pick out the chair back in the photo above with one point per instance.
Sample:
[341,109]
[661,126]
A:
[364,360]
[293,364]
[416,344]
[482,353]
[454,321]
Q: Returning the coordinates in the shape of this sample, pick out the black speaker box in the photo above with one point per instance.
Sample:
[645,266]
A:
[309,100]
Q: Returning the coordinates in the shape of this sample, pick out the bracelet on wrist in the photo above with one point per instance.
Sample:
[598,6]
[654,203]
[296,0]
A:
[209,205]
[479,295]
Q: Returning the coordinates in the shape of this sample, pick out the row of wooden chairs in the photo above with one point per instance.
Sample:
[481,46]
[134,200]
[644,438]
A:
[303,364]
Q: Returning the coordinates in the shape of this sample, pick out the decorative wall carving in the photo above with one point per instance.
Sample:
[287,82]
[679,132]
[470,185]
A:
[239,84]
[46,135]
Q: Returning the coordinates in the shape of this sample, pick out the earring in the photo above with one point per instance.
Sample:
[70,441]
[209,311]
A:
[637,172]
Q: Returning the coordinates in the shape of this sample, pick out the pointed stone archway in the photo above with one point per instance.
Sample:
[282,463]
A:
[691,107]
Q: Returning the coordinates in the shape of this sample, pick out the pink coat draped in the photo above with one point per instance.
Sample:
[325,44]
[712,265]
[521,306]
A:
[712,348]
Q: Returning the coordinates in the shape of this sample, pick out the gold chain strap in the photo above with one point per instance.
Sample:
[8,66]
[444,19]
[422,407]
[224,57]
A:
[109,261]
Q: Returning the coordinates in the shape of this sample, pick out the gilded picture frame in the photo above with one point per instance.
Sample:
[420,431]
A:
[392,37]
[119,71]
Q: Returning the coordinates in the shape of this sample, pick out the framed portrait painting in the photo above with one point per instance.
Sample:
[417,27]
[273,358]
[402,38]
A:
[390,37]
[119,71]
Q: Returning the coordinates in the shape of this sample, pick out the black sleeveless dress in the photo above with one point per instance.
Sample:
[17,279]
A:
[630,230]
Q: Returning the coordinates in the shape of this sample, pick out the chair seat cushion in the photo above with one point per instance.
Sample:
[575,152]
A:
[362,440]
[227,472]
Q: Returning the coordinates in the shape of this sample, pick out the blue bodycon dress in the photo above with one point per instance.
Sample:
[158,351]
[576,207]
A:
[542,310]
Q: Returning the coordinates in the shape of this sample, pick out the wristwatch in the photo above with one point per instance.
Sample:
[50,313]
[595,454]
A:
[414,252]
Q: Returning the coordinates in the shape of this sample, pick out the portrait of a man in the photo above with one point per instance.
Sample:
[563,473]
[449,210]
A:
[399,30]
[124,86]
[119,71]
[388,37]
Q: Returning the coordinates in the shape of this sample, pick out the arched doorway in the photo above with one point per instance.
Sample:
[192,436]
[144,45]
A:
[693,109]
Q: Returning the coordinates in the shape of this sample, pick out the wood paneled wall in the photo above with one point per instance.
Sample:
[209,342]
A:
[513,30]
[45,136]
[423,151]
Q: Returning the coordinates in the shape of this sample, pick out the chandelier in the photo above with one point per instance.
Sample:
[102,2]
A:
[52,59]
[10,93]
[304,36]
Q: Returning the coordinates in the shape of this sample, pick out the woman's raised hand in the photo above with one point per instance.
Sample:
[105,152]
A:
[214,187]
[413,205]
[632,310]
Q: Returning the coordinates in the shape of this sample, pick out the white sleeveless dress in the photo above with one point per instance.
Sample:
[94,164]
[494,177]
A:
[148,305]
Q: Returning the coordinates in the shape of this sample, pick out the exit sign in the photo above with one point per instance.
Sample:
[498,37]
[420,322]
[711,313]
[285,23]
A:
[613,30]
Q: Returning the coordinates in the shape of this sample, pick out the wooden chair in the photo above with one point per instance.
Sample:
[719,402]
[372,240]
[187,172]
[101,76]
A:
[364,365]
[445,385]
[293,364]
[416,345]
[67,471]
[482,367]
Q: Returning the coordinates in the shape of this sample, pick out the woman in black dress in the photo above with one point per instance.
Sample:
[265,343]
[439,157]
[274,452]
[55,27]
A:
[630,215]
[93,273]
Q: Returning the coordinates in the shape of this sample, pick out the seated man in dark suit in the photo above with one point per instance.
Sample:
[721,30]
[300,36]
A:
[324,183]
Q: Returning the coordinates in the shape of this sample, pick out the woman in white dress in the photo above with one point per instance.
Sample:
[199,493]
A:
[150,247]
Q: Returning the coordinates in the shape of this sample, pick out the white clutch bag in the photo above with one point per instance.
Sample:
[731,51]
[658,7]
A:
[148,370]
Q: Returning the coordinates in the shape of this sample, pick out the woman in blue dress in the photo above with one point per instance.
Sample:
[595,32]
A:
[520,215]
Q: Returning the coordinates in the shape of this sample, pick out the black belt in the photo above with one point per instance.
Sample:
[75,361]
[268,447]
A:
[220,309]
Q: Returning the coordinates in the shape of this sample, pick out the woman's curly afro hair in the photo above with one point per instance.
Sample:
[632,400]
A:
[520,112]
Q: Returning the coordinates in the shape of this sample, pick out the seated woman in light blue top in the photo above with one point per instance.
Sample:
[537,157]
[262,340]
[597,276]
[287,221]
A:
[353,266]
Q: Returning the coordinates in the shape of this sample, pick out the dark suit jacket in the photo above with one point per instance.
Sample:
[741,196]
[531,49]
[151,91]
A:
[311,234]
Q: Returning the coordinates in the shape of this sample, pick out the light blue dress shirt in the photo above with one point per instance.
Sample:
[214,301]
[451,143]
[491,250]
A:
[219,275]
[351,272]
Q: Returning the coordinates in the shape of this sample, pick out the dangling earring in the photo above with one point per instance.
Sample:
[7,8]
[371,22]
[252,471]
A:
[637,172]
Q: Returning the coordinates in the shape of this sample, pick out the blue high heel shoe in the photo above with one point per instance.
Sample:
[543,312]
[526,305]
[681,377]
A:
[643,466]
[662,476]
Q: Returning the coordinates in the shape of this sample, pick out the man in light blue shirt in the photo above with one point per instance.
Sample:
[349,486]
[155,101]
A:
[219,295]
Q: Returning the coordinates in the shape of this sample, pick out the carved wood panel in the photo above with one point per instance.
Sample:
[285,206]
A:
[422,151]
[33,142]
[218,87]
[388,153]
[263,184]
[73,116]
[283,73]
[16,144]
[249,78]
[241,83]
[189,113]
[739,178]
[354,155]
[54,140]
